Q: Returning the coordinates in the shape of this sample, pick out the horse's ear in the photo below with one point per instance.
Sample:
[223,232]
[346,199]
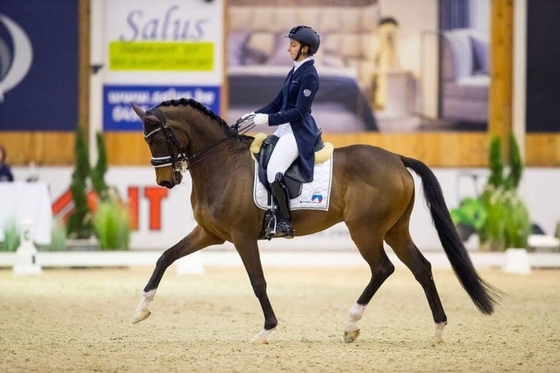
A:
[151,119]
[138,110]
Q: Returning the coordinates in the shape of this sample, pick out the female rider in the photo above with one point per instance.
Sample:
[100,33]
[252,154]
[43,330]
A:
[297,130]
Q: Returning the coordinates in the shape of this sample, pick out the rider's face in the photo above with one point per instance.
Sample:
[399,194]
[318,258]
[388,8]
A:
[293,49]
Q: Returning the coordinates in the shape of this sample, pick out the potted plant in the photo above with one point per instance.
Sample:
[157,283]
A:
[499,216]
[469,217]
[112,226]
[79,224]
[507,223]
[111,223]
[105,225]
[97,173]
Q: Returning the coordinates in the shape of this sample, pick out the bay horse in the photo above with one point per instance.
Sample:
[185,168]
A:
[372,192]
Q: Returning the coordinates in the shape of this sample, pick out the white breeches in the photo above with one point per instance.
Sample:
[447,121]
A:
[284,154]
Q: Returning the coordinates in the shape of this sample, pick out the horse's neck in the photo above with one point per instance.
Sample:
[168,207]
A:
[231,161]
[216,158]
[204,136]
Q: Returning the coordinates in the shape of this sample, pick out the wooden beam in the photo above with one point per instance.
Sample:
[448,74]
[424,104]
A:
[83,65]
[501,74]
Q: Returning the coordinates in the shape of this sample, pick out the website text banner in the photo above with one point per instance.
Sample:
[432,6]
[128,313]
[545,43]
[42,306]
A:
[163,42]
[119,116]
[38,65]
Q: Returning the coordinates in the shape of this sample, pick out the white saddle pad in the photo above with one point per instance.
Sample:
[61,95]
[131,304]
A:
[315,195]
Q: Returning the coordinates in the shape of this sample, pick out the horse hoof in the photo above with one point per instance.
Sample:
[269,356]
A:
[437,340]
[141,316]
[351,336]
[259,340]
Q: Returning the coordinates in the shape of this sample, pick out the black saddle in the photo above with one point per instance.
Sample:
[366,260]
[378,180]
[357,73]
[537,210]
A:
[293,177]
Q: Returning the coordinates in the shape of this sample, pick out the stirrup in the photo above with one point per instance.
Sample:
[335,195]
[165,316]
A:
[278,228]
[270,230]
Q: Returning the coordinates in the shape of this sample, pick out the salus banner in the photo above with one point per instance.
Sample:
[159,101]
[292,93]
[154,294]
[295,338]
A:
[158,51]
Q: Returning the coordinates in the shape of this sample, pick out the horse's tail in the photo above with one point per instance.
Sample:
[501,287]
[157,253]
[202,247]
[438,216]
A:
[482,294]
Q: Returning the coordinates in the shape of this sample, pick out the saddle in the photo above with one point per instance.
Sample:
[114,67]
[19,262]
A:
[261,150]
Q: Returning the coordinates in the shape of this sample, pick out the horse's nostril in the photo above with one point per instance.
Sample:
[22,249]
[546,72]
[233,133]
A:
[166,184]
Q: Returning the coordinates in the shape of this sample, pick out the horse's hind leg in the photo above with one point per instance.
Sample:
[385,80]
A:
[371,249]
[198,239]
[405,249]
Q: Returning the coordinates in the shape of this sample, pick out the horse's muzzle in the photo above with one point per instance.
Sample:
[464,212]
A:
[166,183]
[168,179]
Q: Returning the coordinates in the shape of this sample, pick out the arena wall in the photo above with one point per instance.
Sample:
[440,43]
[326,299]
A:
[161,227]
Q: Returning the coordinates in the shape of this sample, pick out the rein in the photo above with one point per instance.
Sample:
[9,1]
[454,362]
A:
[187,162]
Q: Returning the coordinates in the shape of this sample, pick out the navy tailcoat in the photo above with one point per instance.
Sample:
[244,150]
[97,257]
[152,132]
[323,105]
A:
[293,105]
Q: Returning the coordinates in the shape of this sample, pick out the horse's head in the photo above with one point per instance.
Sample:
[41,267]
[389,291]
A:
[168,153]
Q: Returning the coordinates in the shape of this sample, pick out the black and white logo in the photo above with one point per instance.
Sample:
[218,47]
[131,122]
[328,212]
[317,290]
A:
[16,62]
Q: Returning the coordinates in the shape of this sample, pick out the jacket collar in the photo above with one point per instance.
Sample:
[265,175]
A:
[303,67]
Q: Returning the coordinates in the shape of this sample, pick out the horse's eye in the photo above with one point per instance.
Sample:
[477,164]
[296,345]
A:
[158,139]
[155,139]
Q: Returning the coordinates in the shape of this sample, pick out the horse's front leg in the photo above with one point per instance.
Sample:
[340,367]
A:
[198,239]
[249,252]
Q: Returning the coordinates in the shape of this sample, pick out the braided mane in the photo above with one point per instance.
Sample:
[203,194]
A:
[201,108]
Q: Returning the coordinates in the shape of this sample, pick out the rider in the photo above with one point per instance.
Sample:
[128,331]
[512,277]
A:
[291,112]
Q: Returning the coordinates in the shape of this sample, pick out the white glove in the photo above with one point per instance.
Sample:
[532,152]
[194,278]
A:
[245,116]
[260,120]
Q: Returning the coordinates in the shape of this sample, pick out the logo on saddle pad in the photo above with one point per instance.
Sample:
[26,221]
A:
[317,197]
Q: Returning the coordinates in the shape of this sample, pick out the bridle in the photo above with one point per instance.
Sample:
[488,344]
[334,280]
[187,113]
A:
[171,142]
[181,162]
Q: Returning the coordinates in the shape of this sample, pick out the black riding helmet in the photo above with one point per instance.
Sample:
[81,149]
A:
[306,35]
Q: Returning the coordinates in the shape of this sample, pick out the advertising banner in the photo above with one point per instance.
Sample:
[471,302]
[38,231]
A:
[158,51]
[38,65]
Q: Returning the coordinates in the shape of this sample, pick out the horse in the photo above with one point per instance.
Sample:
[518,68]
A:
[372,192]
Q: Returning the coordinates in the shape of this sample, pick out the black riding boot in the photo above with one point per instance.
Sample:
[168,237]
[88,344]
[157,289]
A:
[284,226]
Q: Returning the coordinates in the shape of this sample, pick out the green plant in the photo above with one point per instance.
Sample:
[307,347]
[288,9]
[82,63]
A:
[79,223]
[519,228]
[12,238]
[515,163]
[507,221]
[98,172]
[499,216]
[471,212]
[110,223]
[58,237]
[495,162]
[112,226]
[498,178]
